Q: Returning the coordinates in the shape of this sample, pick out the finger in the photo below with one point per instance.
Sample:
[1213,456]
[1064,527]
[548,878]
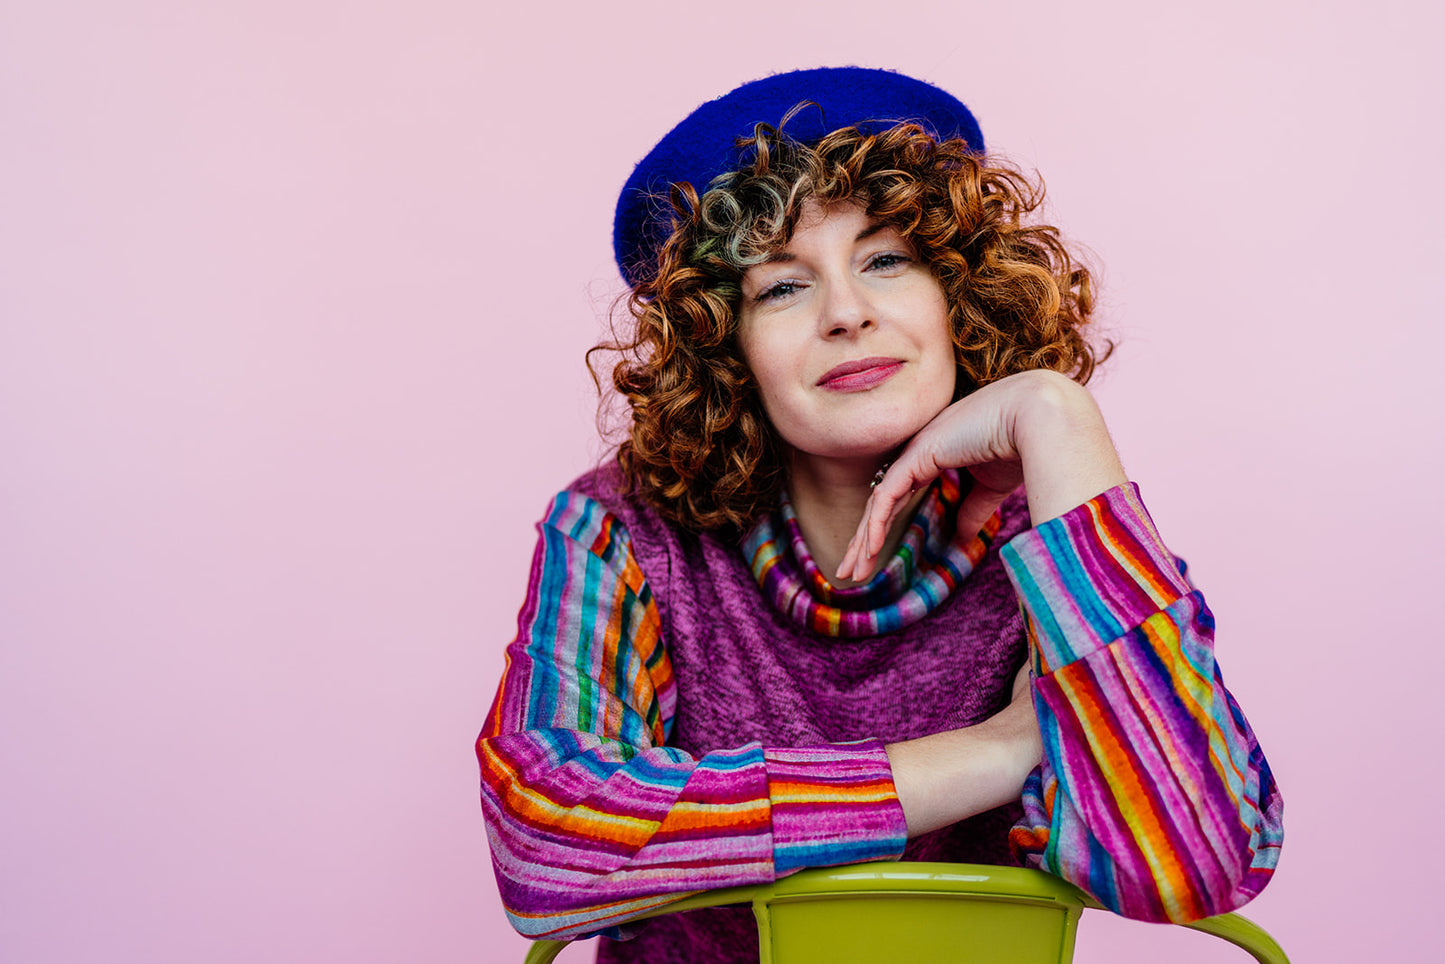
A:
[861,569]
[848,566]
[845,567]
[884,503]
[874,516]
[901,480]
[879,516]
[876,521]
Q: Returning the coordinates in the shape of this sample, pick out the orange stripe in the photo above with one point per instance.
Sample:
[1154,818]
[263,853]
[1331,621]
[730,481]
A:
[1131,556]
[1121,772]
[786,792]
[685,816]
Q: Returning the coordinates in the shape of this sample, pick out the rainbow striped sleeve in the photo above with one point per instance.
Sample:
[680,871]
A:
[592,819]
[1154,795]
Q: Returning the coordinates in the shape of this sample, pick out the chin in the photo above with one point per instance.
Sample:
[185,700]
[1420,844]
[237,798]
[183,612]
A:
[868,443]
[874,435]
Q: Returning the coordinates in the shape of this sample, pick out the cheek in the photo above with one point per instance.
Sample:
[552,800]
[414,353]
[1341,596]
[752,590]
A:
[773,394]
[775,384]
[941,349]
[767,361]
[948,374]
[756,362]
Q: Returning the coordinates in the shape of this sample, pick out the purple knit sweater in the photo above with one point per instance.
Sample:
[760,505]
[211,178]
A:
[747,672]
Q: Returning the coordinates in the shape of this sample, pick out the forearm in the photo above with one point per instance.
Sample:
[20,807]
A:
[951,776]
[588,837]
[1154,795]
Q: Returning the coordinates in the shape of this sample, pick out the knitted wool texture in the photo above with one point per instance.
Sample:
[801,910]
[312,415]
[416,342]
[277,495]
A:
[704,145]
[748,672]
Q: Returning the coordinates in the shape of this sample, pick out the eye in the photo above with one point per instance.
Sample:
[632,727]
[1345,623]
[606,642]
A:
[886,260]
[776,290]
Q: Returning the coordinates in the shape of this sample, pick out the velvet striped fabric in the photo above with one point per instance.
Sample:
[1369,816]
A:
[1153,794]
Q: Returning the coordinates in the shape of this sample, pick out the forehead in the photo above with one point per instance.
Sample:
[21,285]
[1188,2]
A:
[818,224]
[816,215]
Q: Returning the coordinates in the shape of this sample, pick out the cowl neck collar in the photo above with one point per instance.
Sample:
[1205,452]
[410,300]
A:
[928,566]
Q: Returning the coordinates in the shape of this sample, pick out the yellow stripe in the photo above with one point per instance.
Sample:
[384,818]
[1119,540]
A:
[1145,826]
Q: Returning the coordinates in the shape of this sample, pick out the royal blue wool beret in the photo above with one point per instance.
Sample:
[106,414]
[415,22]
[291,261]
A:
[704,145]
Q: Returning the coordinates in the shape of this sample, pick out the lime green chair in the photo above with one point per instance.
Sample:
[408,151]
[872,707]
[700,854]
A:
[958,913]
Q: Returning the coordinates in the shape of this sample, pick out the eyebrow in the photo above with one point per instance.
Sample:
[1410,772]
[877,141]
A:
[783,257]
[871,230]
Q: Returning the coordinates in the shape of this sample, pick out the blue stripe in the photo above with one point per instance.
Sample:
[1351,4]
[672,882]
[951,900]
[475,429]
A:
[830,854]
[1046,627]
[728,761]
[1076,582]
[1103,880]
[588,609]
[541,644]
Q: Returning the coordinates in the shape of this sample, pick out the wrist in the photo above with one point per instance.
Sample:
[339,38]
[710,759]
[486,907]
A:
[1014,733]
[951,776]
[1064,445]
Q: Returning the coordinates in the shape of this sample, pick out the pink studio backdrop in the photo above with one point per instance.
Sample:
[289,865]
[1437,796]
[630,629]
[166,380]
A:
[293,299]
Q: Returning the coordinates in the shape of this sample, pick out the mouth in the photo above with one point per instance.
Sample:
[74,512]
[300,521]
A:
[860,375]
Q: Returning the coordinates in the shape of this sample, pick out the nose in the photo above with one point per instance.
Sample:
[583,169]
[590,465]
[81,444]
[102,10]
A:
[846,309]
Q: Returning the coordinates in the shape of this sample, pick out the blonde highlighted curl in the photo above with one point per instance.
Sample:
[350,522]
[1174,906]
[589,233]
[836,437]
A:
[700,448]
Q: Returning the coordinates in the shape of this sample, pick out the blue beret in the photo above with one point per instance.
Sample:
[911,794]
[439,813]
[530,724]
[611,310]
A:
[704,145]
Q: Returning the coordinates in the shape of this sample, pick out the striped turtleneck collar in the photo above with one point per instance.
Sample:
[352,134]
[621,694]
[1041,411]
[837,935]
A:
[929,564]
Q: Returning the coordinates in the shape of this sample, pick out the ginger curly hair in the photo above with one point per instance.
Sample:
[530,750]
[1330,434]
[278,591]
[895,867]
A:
[699,447]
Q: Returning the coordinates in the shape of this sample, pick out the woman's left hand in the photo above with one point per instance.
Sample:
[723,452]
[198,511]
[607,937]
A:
[1037,428]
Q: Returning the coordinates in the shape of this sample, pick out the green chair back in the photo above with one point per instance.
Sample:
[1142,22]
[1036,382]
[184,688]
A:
[955,913]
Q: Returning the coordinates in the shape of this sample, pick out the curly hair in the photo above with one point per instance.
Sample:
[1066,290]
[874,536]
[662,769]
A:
[700,448]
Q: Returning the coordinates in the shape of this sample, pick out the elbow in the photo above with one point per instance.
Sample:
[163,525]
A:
[552,891]
[545,902]
[1219,875]
[541,900]
[1183,871]
[1254,857]
[1191,894]
[531,886]
[540,913]
[554,883]
[1243,857]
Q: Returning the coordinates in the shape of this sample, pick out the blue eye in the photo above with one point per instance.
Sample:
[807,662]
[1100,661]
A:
[779,289]
[889,259]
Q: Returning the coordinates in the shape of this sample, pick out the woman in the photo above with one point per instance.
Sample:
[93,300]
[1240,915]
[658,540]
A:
[810,616]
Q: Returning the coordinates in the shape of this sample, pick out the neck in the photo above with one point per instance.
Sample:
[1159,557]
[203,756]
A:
[829,497]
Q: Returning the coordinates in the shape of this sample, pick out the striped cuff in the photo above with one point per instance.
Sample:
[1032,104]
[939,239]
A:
[1090,575]
[833,804]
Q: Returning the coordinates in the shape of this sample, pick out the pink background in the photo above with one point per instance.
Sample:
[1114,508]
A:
[293,299]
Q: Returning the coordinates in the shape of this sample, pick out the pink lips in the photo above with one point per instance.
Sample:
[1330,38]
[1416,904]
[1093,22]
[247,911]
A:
[860,375]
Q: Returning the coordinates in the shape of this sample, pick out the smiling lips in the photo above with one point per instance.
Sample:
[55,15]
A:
[860,375]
